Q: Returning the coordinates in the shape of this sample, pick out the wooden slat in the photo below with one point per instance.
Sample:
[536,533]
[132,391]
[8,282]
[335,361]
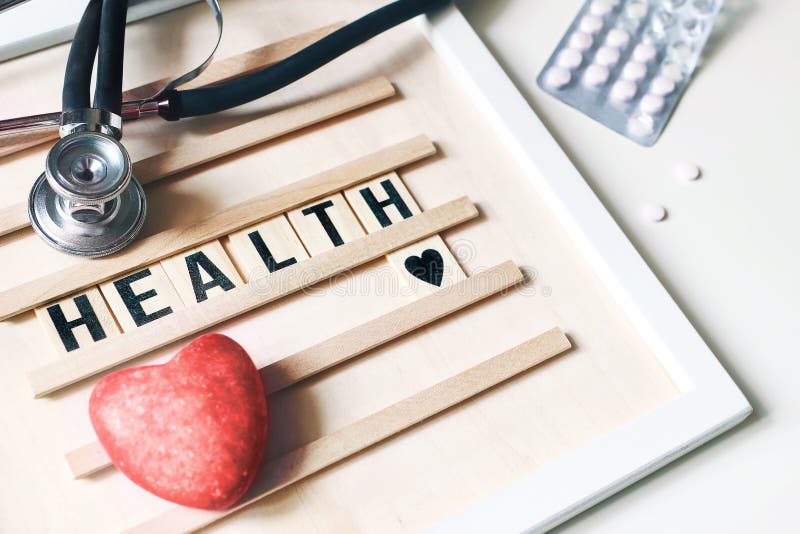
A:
[303,462]
[168,242]
[217,72]
[13,218]
[260,130]
[336,350]
[232,67]
[181,323]
[227,142]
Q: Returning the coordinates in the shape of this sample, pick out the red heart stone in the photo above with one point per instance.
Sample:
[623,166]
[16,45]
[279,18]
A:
[192,430]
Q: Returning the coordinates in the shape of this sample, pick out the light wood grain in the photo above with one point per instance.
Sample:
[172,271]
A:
[236,139]
[82,335]
[410,286]
[164,299]
[311,231]
[169,242]
[222,70]
[14,217]
[192,319]
[611,378]
[91,458]
[217,72]
[303,462]
[355,197]
[258,131]
[413,287]
[177,270]
[280,243]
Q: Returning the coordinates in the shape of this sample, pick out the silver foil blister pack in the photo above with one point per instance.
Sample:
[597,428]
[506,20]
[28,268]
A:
[625,63]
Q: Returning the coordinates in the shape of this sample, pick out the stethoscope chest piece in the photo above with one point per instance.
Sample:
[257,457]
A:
[87,201]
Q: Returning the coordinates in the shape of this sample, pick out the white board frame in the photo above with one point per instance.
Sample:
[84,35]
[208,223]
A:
[709,402]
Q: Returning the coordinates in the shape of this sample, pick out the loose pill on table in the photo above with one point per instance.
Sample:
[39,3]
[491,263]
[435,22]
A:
[654,212]
[569,58]
[596,75]
[590,24]
[618,38]
[661,85]
[644,52]
[623,90]
[634,71]
[580,40]
[651,104]
[687,171]
[607,56]
[600,7]
[557,77]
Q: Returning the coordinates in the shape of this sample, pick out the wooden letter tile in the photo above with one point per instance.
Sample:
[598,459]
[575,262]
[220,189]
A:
[425,266]
[381,202]
[141,297]
[77,321]
[201,273]
[266,247]
[325,224]
[422,267]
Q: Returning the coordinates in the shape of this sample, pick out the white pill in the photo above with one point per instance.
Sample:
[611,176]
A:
[618,38]
[654,212]
[623,90]
[591,24]
[557,77]
[600,7]
[644,52]
[671,71]
[636,9]
[661,85]
[641,125]
[607,56]
[681,51]
[661,22]
[569,58]
[596,75]
[580,40]
[634,71]
[651,104]
[687,171]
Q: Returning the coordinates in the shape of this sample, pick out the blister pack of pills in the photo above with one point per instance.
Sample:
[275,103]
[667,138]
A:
[625,63]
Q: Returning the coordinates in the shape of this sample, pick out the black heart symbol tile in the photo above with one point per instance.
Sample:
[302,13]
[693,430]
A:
[428,267]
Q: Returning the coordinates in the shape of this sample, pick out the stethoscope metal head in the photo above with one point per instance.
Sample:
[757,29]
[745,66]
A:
[87,202]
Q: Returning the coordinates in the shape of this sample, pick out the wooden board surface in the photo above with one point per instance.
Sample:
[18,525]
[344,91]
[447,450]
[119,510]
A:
[427,473]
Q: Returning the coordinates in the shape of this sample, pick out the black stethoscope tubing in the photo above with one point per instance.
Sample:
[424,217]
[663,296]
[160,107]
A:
[101,32]
[103,27]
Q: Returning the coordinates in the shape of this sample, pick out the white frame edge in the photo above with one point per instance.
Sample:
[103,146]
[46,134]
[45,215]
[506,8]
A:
[709,403]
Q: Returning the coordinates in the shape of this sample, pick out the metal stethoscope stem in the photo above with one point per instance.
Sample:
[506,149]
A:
[87,201]
[132,110]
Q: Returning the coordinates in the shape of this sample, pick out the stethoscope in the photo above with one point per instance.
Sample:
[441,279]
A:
[87,202]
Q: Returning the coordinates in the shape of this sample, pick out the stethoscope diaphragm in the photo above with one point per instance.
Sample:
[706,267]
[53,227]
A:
[87,201]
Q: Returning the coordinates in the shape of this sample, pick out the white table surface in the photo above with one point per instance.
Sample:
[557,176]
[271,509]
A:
[728,251]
